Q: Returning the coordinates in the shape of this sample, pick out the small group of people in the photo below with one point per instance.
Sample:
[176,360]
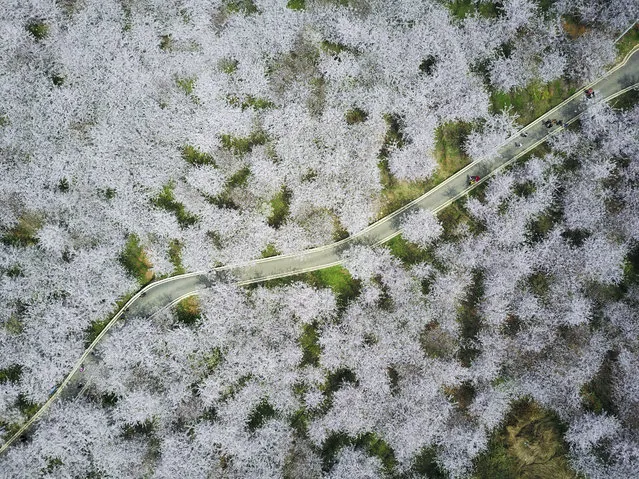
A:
[590,93]
[552,122]
[473,179]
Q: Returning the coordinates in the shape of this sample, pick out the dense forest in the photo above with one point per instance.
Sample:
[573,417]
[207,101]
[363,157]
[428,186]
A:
[144,139]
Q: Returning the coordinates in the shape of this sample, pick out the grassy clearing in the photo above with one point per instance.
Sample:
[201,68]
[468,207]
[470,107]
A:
[249,101]
[460,9]
[24,233]
[228,65]
[281,207]
[408,253]
[337,278]
[573,27]
[449,141]
[262,413]
[166,201]
[245,7]
[188,310]
[626,101]
[469,318]
[456,215]
[187,84]
[628,42]
[533,100]
[529,445]
[309,342]
[334,48]
[175,256]
[242,145]
[355,115]
[596,395]
[238,180]
[10,374]
[39,30]
[135,261]
[296,4]
[196,157]
[372,444]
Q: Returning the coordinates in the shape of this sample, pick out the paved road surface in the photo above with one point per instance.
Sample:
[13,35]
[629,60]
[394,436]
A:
[161,294]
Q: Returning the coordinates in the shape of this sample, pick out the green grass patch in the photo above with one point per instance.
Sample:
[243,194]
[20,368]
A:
[296,4]
[355,115]
[262,413]
[135,261]
[408,253]
[96,327]
[337,278]
[425,465]
[461,9]
[166,42]
[249,101]
[626,101]
[333,48]
[24,232]
[57,80]
[166,201]
[26,407]
[369,442]
[196,157]
[628,42]
[449,140]
[188,310]
[245,7]
[596,395]
[10,374]
[309,342]
[469,318]
[270,251]
[529,445]
[539,227]
[339,232]
[573,26]
[533,100]
[428,64]
[243,145]
[39,30]
[175,256]
[449,148]
[280,205]
[239,178]
[344,286]
[456,214]
[228,65]
[187,84]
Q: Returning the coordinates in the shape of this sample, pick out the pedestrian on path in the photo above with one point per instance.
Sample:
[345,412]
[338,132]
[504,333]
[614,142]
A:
[518,145]
[524,134]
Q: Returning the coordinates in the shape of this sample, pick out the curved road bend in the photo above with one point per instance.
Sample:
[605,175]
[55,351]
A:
[158,295]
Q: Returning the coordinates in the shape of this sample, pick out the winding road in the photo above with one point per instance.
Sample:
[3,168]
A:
[164,293]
